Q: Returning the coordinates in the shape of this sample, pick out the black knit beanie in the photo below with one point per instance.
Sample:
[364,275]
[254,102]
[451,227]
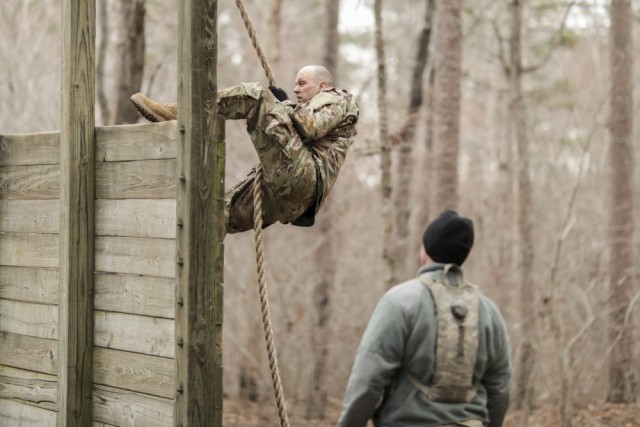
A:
[448,238]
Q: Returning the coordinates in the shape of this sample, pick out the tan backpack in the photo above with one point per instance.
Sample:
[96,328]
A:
[457,306]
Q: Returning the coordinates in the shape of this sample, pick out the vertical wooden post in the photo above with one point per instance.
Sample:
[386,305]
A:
[77,195]
[201,223]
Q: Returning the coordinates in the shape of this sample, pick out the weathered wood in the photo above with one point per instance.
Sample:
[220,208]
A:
[29,284]
[198,325]
[137,255]
[123,408]
[113,143]
[30,149]
[139,334]
[136,218]
[77,198]
[29,387]
[134,372]
[137,142]
[146,179]
[17,414]
[36,320]
[30,216]
[134,294]
[30,182]
[29,250]
[34,354]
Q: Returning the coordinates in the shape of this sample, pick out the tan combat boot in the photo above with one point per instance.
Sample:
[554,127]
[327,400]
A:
[154,111]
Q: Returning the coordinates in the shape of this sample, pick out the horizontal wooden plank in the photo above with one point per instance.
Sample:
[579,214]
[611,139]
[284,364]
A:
[134,372]
[41,182]
[137,142]
[136,218]
[31,353]
[35,320]
[147,179]
[29,284]
[138,334]
[30,387]
[30,149]
[137,255]
[134,294]
[29,216]
[29,250]
[122,408]
[18,414]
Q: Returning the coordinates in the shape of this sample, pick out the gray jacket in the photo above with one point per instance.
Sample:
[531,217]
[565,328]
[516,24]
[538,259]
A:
[401,335]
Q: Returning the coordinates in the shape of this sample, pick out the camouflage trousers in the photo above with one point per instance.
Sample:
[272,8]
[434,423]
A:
[289,170]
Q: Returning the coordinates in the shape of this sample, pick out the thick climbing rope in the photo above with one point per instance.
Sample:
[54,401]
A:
[257,226]
[256,43]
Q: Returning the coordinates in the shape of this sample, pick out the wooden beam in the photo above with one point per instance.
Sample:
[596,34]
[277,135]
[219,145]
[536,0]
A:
[77,195]
[200,218]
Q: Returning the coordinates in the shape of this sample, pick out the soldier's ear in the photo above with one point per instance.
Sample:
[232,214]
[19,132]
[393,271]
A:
[323,85]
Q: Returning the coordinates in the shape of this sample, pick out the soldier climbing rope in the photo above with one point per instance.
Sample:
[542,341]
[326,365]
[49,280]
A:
[257,224]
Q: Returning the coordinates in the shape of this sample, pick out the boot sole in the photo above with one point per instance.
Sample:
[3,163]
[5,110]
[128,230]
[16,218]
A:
[144,111]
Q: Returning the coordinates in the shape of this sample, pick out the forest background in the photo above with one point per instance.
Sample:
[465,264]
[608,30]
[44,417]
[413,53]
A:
[504,110]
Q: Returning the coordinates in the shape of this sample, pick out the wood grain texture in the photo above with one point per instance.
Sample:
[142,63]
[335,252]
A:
[18,414]
[35,320]
[136,255]
[30,216]
[29,284]
[31,353]
[146,179]
[200,211]
[138,334]
[137,142]
[136,218]
[30,149]
[123,408]
[29,250]
[39,182]
[77,198]
[134,372]
[134,294]
[30,387]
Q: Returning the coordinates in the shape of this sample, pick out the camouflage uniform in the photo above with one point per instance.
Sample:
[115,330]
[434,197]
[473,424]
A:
[301,148]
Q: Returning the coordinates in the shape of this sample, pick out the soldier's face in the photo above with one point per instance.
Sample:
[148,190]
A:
[306,85]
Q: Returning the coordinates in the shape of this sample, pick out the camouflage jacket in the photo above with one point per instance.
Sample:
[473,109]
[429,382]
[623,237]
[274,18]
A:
[327,125]
[401,336]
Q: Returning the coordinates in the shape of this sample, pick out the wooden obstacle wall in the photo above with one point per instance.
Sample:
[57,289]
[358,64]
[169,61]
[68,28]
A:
[111,253]
[134,295]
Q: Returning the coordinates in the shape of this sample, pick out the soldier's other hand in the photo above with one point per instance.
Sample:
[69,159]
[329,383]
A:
[279,93]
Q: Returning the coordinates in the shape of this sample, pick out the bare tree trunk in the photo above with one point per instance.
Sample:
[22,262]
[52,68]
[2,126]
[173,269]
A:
[275,23]
[525,244]
[448,48]
[322,292]
[426,177]
[317,399]
[405,140]
[130,67]
[103,21]
[385,154]
[332,36]
[622,386]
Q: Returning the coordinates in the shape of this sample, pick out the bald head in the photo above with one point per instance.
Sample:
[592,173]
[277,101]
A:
[310,80]
[319,73]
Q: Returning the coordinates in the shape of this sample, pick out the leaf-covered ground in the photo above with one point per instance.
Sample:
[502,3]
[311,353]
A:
[239,413]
